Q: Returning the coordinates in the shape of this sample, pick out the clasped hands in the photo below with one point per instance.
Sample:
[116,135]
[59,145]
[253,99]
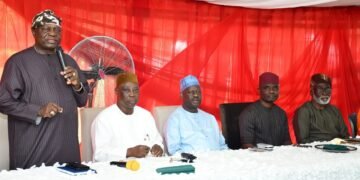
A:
[140,151]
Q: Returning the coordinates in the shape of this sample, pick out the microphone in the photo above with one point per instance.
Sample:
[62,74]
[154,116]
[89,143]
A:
[188,156]
[131,165]
[59,52]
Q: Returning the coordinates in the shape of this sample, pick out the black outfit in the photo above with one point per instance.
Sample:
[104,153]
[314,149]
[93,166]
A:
[259,124]
[30,81]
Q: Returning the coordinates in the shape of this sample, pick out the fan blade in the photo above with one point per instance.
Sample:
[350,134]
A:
[113,70]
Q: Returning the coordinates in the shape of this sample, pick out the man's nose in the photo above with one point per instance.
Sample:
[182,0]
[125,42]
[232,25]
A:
[52,31]
[324,93]
[196,94]
[272,90]
[132,92]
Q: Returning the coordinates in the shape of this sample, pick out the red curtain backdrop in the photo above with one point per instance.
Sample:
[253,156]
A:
[226,47]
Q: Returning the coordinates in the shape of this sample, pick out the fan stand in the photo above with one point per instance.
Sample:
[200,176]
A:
[91,93]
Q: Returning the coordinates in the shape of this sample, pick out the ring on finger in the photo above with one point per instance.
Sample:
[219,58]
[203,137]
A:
[52,113]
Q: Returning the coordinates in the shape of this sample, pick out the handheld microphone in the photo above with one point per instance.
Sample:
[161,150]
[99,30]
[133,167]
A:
[131,165]
[59,52]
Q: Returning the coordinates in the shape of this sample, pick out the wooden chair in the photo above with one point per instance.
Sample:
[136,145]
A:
[161,114]
[4,143]
[87,116]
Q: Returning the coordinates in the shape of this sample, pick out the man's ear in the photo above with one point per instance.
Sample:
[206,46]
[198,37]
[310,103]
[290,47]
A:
[33,32]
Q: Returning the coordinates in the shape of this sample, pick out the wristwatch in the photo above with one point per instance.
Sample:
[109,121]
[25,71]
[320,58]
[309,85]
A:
[80,89]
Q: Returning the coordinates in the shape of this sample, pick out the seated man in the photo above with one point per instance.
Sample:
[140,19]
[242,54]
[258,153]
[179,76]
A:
[317,120]
[263,121]
[190,129]
[124,129]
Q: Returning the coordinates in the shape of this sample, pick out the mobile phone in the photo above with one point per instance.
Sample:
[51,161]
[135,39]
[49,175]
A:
[303,145]
[77,166]
[268,147]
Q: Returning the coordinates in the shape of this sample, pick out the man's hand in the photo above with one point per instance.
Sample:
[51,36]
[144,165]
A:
[245,146]
[49,110]
[157,151]
[138,151]
[71,76]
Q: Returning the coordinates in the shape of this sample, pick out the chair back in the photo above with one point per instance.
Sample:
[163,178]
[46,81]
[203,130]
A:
[87,116]
[229,114]
[161,115]
[4,143]
[353,124]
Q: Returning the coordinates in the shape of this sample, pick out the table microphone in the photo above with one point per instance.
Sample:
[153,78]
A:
[188,156]
[131,165]
[59,52]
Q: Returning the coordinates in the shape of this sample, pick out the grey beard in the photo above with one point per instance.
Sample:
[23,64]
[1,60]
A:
[320,101]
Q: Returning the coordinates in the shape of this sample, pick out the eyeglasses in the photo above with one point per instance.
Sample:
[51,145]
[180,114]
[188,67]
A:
[48,29]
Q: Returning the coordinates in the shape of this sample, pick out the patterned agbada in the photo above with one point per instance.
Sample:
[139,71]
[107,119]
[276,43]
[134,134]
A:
[313,124]
[29,81]
[258,124]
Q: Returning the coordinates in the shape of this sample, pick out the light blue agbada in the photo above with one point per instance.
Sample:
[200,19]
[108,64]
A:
[190,132]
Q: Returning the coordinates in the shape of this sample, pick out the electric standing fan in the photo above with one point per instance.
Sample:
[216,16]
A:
[100,59]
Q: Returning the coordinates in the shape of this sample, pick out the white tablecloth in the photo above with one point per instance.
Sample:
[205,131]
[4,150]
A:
[283,163]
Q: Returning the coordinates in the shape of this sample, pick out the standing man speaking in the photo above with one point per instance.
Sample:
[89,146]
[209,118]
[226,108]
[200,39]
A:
[41,97]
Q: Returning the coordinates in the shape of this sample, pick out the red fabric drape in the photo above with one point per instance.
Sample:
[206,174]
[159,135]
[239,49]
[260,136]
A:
[226,47]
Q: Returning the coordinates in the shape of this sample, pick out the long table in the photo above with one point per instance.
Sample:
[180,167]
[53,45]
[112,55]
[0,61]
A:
[283,163]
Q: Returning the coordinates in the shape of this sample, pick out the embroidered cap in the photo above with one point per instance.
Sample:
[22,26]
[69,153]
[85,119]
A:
[320,78]
[126,77]
[46,16]
[188,81]
[268,78]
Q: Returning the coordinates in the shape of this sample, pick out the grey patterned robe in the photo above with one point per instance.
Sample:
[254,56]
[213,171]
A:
[29,81]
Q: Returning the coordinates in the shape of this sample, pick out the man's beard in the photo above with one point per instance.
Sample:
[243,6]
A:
[322,102]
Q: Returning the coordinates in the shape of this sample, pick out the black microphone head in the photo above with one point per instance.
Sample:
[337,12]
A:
[58,49]
[59,52]
[188,156]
